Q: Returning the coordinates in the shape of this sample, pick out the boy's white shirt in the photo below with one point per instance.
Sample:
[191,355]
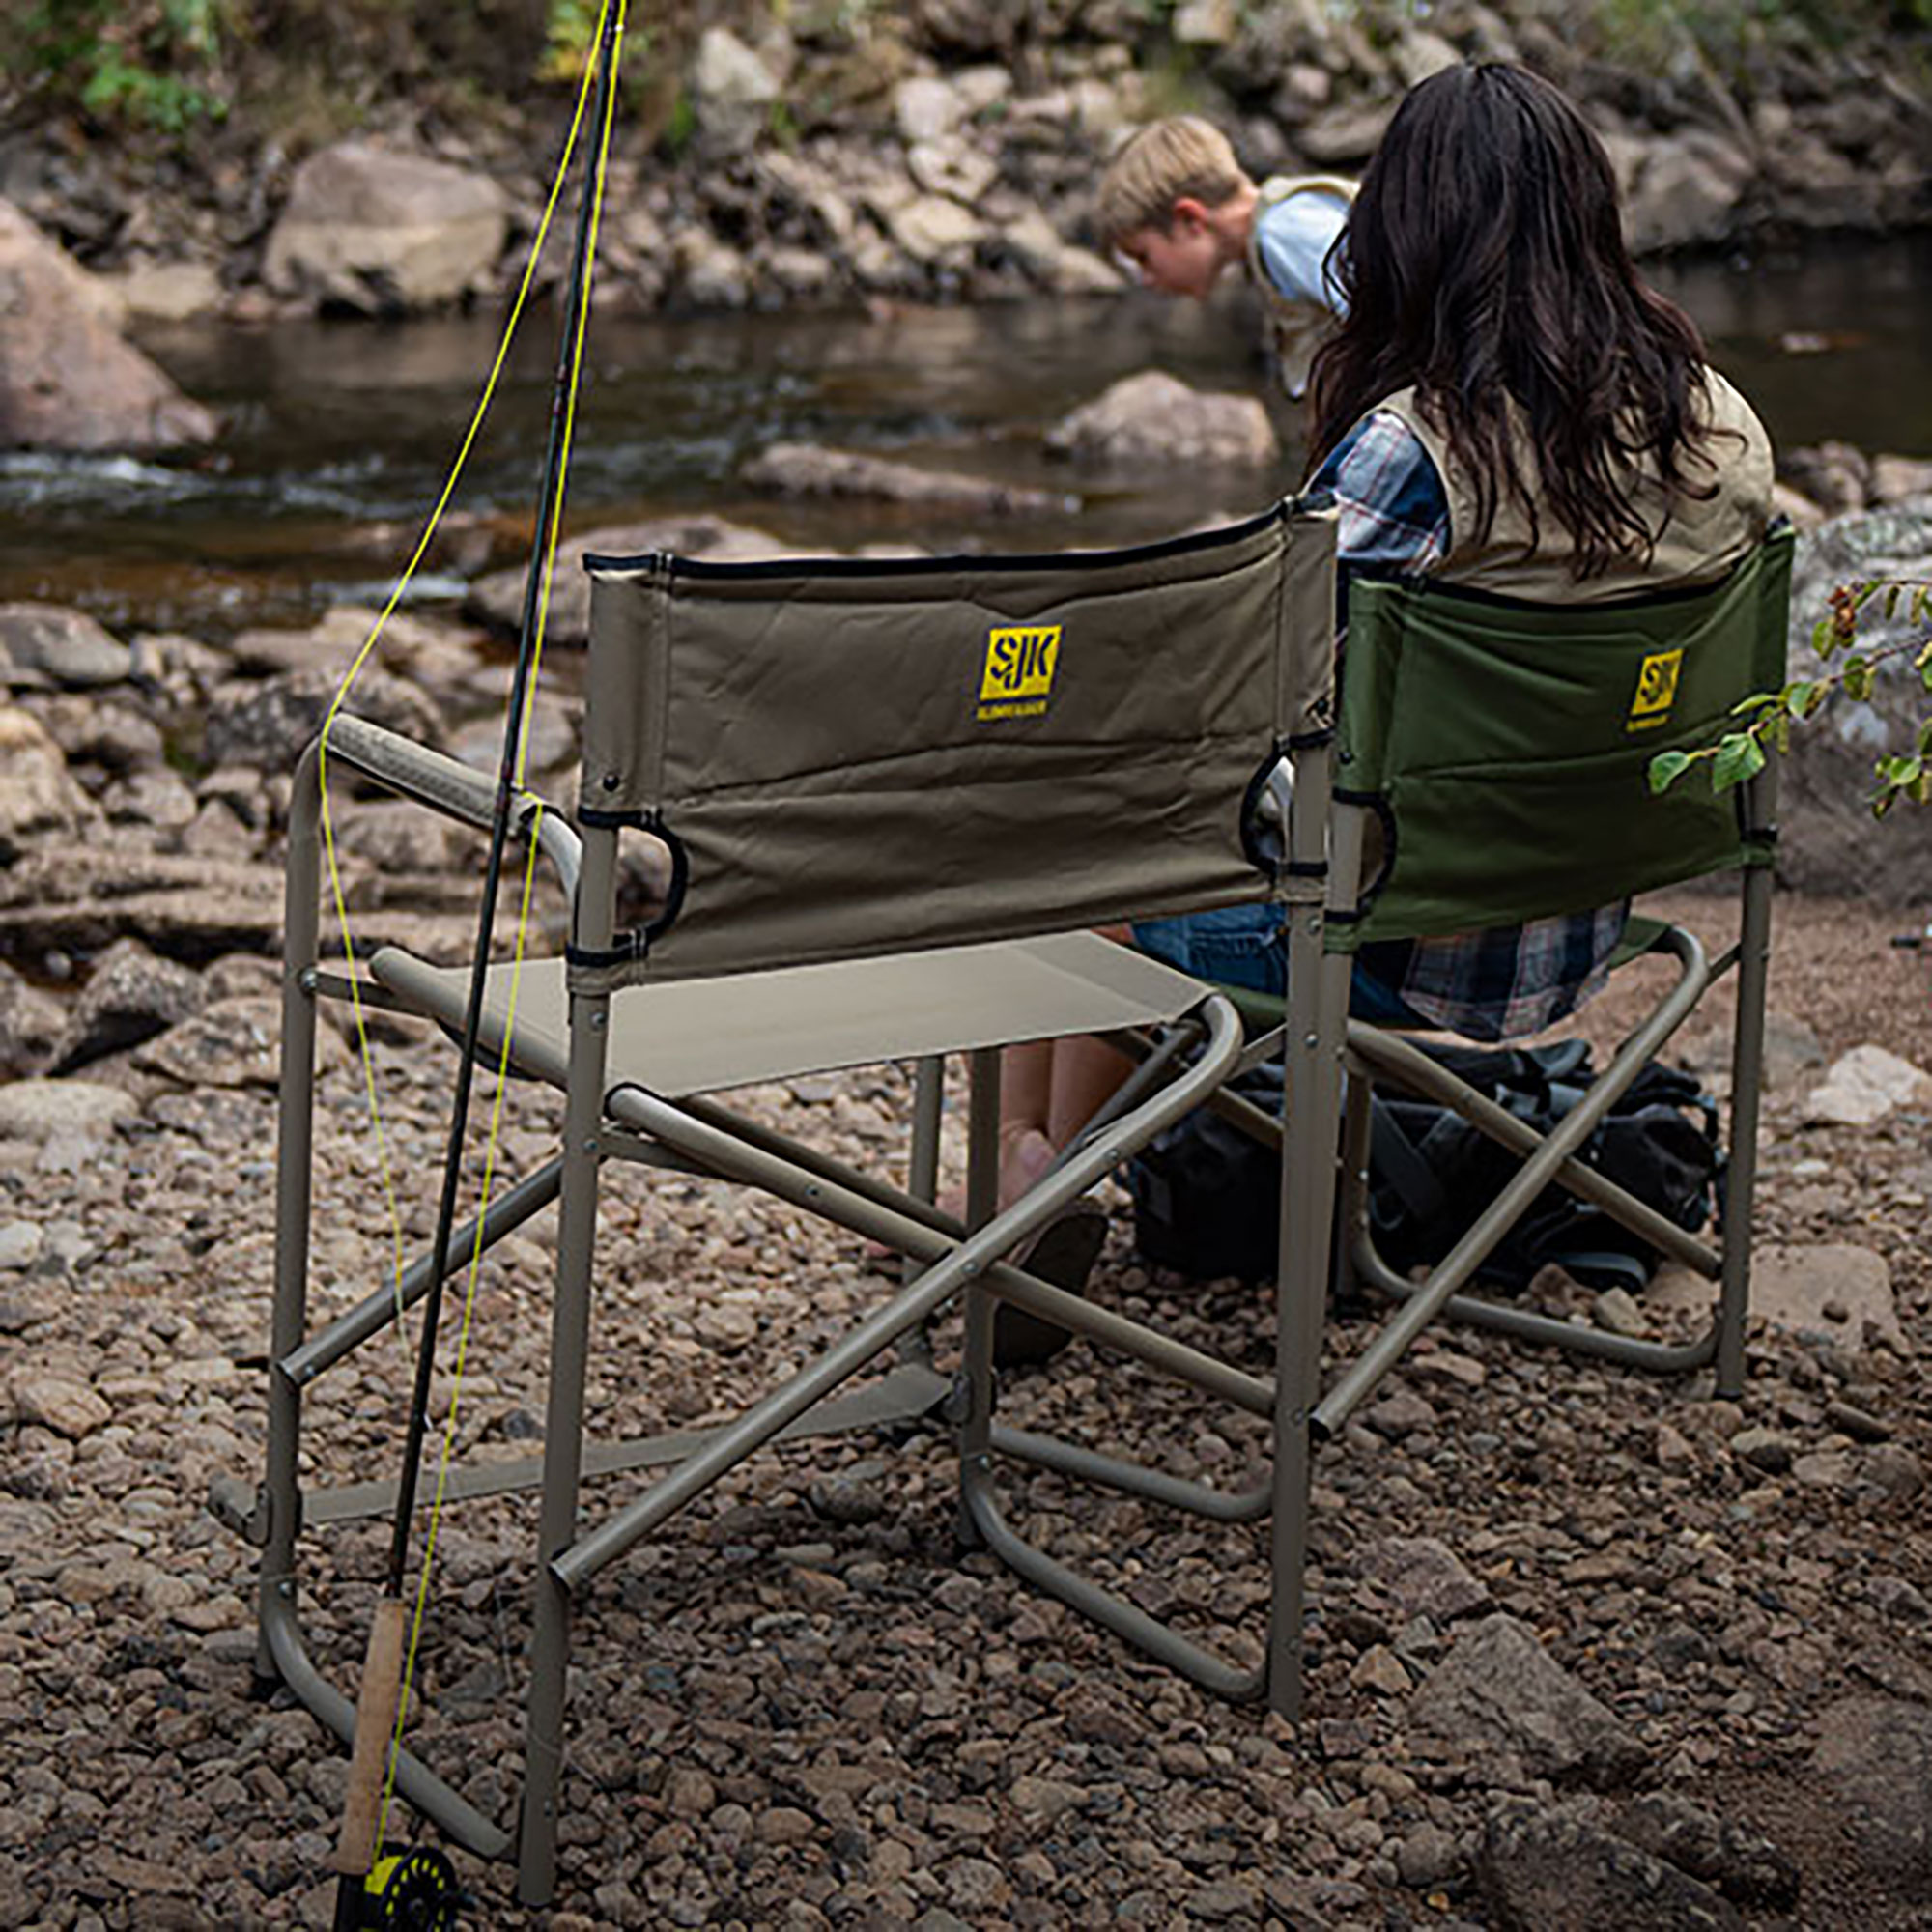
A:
[1295,236]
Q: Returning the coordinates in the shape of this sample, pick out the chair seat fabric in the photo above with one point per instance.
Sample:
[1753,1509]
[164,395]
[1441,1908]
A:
[695,1035]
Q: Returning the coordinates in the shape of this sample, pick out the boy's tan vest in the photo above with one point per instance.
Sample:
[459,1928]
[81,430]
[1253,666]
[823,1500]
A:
[1698,537]
[1295,328]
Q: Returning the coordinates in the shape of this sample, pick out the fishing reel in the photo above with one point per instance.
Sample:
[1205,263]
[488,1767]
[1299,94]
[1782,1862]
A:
[410,1889]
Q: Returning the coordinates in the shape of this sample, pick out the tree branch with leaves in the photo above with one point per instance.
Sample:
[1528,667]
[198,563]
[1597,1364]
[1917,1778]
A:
[1767,716]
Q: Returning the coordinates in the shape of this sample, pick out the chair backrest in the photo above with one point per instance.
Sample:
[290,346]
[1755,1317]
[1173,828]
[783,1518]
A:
[856,758]
[1505,747]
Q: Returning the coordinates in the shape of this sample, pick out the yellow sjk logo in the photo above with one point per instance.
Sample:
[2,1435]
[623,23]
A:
[1018,676]
[1656,690]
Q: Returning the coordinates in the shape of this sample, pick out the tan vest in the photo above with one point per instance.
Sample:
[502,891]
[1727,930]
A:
[1698,537]
[1295,328]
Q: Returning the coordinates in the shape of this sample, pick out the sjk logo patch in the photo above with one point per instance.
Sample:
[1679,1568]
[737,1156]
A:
[1018,675]
[1656,690]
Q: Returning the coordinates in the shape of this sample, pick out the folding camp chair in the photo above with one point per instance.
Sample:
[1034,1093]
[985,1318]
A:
[898,796]
[1502,750]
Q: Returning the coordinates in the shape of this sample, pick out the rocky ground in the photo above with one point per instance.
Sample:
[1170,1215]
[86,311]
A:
[1585,1649]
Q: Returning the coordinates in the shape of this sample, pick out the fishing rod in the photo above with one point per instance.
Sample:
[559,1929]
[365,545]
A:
[417,1888]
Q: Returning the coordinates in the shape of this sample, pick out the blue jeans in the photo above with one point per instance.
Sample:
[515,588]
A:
[1245,946]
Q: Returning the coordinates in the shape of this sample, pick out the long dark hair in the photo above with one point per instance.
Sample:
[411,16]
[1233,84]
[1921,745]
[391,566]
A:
[1484,261]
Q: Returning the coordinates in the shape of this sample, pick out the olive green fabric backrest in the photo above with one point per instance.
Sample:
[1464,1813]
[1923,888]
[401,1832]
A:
[1506,746]
[863,757]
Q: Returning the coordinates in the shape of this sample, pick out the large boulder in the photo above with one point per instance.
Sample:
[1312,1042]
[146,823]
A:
[68,381]
[1154,419]
[380,232]
[1828,842]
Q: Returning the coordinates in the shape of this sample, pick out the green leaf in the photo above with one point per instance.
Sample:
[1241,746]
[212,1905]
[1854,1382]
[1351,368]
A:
[1925,737]
[1799,701]
[1739,756]
[1891,600]
[1666,768]
[1823,639]
[1857,677]
[1758,700]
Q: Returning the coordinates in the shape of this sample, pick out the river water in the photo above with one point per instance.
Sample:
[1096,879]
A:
[340,434]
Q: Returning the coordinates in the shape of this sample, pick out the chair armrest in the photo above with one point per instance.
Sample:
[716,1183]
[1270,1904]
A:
[454,789]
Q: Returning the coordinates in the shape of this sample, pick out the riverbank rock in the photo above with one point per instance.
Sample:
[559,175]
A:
[380,232]
[1828,841]
[497,600]
[68,381]
[1156,418]
[43,645]
[802,469]
[39,798]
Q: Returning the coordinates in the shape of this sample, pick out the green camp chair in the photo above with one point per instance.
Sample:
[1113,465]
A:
[1501,750]
[898,796]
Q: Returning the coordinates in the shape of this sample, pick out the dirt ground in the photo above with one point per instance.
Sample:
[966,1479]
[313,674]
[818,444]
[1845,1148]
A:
[1707,1627]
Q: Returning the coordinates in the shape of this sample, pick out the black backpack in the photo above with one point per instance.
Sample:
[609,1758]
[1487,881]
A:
[1207,1198]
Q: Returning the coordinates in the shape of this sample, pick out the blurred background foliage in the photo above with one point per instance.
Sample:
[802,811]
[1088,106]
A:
[166,69]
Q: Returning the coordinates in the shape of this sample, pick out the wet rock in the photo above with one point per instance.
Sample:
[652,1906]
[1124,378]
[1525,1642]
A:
[67,378]
[373,230]
[1538,1869]
[1864,1085]
[497,599]
[1747,1869]
[267,724]
[39,798]
[1500,1688]
[1156,418]
[166,291]
[130,996]
[47,644]
[802,469]
[1874,1758]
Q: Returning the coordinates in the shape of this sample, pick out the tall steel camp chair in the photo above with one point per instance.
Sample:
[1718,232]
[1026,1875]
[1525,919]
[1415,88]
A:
[899,796]
[1501,750]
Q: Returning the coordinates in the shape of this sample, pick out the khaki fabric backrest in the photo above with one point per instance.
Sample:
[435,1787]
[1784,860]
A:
[867,758]
[1506,746]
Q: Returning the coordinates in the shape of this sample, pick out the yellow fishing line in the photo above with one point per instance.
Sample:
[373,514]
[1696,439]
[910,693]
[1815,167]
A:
[364,1053]
[493,1137]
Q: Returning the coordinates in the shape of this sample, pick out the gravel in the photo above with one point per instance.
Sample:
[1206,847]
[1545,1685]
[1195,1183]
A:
[1551,1604]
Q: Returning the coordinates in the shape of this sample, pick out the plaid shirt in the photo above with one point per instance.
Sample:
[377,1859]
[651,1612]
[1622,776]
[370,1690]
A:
[1506,980]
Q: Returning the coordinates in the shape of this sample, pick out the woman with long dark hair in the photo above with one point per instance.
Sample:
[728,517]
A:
[1505,405]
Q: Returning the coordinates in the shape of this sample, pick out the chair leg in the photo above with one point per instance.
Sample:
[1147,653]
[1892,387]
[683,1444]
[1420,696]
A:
[294,1147]
[564,1418]
[1740,1176]
[982,1182]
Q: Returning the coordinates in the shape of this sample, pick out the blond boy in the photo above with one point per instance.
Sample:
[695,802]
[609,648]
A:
[1175,202]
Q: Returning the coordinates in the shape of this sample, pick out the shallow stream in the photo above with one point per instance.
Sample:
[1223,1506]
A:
[340,434]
